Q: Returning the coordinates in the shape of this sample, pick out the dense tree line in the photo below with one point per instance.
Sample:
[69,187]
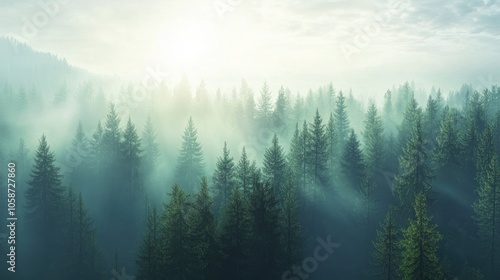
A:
[412,191]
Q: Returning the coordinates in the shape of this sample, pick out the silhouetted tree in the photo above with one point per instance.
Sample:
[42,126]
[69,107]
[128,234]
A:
[386,252]
[223,178]
[353,163]
[234,238]
[44,209]
[149,258]
[274,166]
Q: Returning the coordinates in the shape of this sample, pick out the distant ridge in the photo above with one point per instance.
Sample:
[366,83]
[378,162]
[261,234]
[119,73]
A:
[21,64]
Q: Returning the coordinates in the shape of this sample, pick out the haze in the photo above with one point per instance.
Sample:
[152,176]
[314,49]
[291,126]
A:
[366,47]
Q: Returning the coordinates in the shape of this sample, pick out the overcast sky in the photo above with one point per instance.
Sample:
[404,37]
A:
[364,45]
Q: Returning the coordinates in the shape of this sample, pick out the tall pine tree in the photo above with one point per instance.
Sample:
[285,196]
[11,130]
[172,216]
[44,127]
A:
[130,151]
[415,172]
[204,236]
[190,165]
[275,166]
[150,147]
[386,252]
[420,245]
[341,122]
[177,247]
[244,172]
[373,140]
[353,163]
[487,215]
[318,151]
[45,205]
[224,175]
[265,232]
[234,238]
[150,254]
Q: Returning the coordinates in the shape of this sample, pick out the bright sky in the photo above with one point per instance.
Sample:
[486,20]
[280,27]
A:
[364,45]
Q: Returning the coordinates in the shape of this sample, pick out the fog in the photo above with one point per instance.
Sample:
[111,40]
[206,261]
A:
[249,140]
[333,206]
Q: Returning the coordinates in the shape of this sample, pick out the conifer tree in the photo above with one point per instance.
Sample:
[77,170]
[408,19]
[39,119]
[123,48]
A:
[341,122]
[80,141]
[420,245]
[22,99]
[485,151]
[21,155]
[280,113]
[234,238]
[496,131]
[150,147]
[440,103]
[111,138]
[415,173]
[96,148]
[317,152]
[81,243]
[79,154]
[274,166]
[404,98]
[331,136]
[249,111]
[293,153]
[388,113]
[149,257]
[353,163]
[366,204]
[470,138]
[223,178]
[431,119]
[487,215]
[265,232]
[131,158]
[373,140]
[190,163]
[204,235]
[298,108]
[386,248]
[330,96]
[44,196]
[407,127]
[299,158]
[177,247]
[291,230]
[44,207]
[448,142]
[61,95]
[264,106]
[244,172]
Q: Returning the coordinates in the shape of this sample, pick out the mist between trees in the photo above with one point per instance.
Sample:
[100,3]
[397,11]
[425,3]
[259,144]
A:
[188,184]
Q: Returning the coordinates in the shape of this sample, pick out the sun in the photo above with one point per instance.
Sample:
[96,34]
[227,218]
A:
[184,44]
